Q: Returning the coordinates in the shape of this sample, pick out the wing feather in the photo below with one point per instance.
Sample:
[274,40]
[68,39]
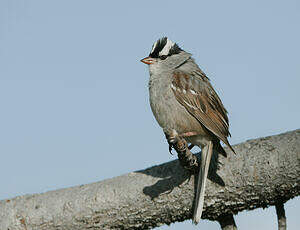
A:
[196,94]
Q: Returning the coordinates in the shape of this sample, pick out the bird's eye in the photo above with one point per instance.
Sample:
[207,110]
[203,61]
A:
[163,57]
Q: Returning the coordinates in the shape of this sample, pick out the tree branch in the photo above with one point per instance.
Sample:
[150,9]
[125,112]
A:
[262,173]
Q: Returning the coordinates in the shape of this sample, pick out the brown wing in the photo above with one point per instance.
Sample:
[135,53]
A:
[196,94]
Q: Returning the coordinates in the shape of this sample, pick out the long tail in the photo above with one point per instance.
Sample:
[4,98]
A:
[203,171]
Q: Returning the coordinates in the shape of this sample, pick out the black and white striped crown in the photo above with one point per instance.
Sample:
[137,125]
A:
[164,47]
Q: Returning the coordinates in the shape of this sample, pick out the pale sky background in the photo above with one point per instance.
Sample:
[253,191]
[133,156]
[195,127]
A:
[74,97]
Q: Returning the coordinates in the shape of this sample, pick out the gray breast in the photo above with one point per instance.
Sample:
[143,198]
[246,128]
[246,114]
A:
[169,113]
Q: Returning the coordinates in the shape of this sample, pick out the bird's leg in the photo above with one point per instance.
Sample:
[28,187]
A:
[186,158]
[172,138]
[189,134]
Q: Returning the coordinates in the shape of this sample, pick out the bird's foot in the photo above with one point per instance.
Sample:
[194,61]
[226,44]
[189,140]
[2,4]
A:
[172,138]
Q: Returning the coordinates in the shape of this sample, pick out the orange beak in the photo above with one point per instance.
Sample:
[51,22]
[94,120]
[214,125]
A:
[148,60]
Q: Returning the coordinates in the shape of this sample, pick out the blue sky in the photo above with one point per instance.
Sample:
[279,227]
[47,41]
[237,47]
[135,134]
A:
[74,97]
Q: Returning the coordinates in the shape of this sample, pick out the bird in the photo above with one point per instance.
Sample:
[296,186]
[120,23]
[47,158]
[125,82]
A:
[183,100]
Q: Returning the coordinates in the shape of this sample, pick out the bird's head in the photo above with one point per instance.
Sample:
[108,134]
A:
[164,51]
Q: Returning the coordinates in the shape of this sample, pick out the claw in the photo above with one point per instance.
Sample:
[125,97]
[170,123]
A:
[171,136]
[170,149]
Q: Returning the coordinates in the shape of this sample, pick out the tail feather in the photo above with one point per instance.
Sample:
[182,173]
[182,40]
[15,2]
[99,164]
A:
[219,148]
[203,171]
[227,143]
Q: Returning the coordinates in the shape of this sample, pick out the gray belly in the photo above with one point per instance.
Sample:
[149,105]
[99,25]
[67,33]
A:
[169,113]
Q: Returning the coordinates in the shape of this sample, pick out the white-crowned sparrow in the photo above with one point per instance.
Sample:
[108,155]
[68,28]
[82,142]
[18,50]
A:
[183,100]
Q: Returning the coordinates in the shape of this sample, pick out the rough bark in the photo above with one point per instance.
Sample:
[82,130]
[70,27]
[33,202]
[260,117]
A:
[264,172]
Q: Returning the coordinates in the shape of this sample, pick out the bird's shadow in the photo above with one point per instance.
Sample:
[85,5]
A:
[172,175]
